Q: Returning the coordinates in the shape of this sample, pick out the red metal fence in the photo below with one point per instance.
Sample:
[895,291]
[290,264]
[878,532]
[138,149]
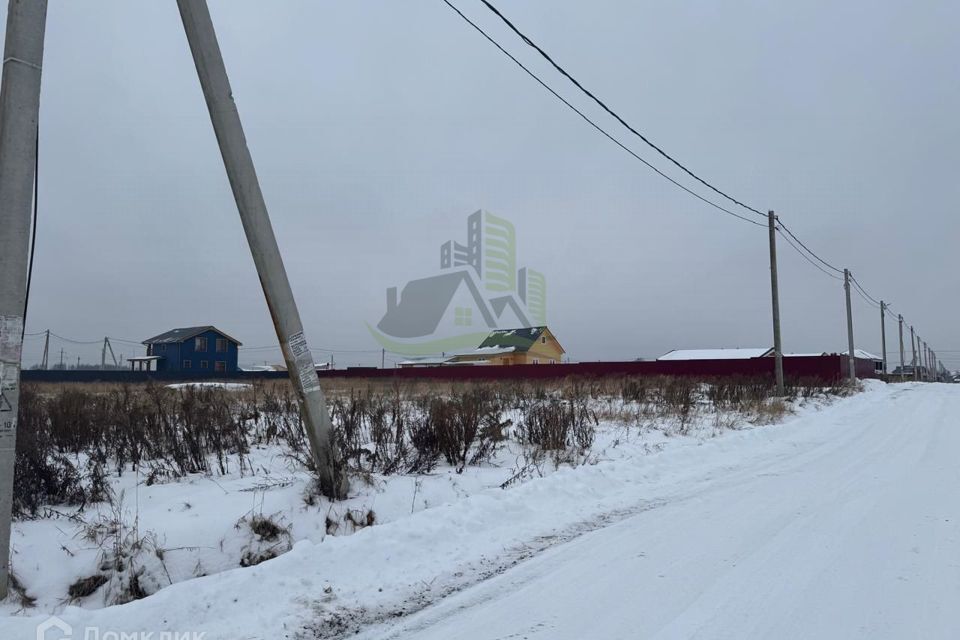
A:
[827,369]
[823,368]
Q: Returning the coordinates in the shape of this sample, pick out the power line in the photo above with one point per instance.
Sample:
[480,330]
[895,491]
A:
[591,122]
[866,298]
[805,256]
[72,341]
[619,119]
[33,229]
[864,291]
[807,249]
[786,232]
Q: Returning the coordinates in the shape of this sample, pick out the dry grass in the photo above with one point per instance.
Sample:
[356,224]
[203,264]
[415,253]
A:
[381,427]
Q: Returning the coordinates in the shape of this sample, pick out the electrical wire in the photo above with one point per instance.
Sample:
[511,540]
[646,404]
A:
[526,39]
[593,124]
[866,298]
[859,286]
[72,341]
[807,249]
[784,230]
[805,256]
[33,226]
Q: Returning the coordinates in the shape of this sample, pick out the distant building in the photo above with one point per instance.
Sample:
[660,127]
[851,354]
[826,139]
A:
[190,350]
[527,345]
[717,354]
[866,355]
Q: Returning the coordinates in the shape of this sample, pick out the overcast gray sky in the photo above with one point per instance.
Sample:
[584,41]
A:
[377,126]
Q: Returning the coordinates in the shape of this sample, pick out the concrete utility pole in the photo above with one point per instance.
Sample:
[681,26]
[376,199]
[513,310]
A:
[263,244]
[883,333]
[923,358]
[851,356]
[913,349]
[775,299]
[900,324]
[19,112]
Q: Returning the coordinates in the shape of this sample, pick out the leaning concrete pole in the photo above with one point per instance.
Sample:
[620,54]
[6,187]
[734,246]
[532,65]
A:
[263,244]
[775,299]
[851,356]
[19,112]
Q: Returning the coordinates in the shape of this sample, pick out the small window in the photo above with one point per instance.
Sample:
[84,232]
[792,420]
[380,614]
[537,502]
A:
[221,345]
[161,347]
[200,344]
[204,364]
[220,365]
[552,361]
[187,364]
[536,361]
[543,340]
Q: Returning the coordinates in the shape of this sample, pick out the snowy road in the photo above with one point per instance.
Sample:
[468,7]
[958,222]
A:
[851,531]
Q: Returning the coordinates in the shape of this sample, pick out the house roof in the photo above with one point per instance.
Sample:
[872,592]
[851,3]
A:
[860,353]
[426,362]
[484,352]
[185,333]
[423,302]
[716,354]
[520,340]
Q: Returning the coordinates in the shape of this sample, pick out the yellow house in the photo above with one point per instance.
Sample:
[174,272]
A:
[528,345]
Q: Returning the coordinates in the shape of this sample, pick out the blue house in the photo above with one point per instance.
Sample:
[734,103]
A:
[195,350]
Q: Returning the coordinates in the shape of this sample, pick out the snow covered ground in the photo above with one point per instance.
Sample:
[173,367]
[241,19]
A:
[824,526]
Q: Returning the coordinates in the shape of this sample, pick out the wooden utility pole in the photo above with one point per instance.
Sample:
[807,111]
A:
[19,113]
[775,301]
[851,356]
[113,356]
[45,362]
[263,244]
[883,333]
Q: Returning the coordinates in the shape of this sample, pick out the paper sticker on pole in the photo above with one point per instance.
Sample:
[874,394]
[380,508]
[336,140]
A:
[11,334]
[305,367]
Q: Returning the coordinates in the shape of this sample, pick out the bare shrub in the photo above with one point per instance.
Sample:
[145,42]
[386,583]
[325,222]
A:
[84,587]
[132,564]
[269,538]
[564,427]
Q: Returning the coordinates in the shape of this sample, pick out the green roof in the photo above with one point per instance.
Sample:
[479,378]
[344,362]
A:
[520,339]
